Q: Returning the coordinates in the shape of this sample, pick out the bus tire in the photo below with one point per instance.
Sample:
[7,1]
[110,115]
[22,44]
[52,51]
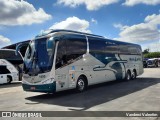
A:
[9,79]
[128,75]
[81,84]
[134,74]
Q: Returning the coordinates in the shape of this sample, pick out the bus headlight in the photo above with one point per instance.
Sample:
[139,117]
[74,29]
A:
[24,82]
[51,80]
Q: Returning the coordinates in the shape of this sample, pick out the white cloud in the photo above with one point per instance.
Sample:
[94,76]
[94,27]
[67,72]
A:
[135,2]
[14,12]
[90,4]
[4,41]
[73,23]
[146,31]
[153,47]
[94,21]
[120,26]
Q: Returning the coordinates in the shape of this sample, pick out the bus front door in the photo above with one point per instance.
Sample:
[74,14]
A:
[61,78]
[61,67]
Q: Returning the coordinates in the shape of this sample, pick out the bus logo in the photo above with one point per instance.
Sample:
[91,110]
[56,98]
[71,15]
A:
[6,114]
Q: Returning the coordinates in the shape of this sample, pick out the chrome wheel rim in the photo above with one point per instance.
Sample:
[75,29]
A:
[128,76]
[134,75]
[81,85]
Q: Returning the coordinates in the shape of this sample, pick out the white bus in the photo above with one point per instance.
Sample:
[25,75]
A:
[8,58]
[62,59]
[8,72]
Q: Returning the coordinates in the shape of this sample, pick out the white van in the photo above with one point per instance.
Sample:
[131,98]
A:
[8,72]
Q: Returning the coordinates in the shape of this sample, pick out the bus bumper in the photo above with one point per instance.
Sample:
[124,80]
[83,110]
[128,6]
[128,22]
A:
[46,88]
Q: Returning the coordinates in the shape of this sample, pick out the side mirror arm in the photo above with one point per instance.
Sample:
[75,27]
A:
[18,47]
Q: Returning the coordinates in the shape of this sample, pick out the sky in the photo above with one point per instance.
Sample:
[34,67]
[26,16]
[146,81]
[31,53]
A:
[135,21]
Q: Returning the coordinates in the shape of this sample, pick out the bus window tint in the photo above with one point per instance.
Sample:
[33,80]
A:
[96,46]
[4,70]
[61,54]
[102,46]
[132,50]
[123,49]
[139,51]
[111,47]
[76,47]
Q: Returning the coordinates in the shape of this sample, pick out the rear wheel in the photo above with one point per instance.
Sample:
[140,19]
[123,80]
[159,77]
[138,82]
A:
[134,74]
[128,76]
[9,79]
[81,84]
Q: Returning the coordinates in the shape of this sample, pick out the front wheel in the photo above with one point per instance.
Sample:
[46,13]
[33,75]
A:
[81,84]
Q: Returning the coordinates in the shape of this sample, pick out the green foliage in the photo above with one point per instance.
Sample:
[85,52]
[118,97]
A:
[152,55]
[146,51]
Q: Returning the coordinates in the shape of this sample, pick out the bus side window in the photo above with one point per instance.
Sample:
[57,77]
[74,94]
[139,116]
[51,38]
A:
[76,47]
[61,54]
[4,70]
[124,49]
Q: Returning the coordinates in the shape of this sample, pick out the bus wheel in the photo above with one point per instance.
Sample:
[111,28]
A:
[9,79]
[128,76]
[134,74]
[81,84]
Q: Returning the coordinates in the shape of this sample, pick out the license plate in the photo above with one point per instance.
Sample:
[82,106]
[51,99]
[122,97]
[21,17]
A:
[33,88]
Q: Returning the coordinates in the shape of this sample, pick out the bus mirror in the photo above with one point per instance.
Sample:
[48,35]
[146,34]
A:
[17,49]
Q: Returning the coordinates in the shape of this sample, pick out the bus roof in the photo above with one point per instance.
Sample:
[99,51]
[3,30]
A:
[9,55]
[82,33]
[64,30]
[3,62]
[121,42]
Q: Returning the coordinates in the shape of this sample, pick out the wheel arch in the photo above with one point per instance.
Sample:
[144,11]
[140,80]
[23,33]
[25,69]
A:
[128,70]
[85,78]
[10,77]
[134,70]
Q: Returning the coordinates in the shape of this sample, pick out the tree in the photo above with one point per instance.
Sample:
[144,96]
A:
[152,55]
[146,51]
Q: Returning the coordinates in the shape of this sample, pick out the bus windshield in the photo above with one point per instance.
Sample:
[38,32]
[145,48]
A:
[39,56]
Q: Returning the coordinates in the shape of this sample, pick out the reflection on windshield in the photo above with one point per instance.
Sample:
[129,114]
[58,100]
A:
[37,58]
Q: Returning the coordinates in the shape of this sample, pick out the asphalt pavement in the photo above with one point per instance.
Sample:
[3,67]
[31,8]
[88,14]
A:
[142,94]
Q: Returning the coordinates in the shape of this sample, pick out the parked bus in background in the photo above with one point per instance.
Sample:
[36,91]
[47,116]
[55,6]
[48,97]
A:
[63,59]
[9,57]
[8,72]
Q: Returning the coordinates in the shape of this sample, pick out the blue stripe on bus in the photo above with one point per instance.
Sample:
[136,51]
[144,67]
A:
[116,66]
